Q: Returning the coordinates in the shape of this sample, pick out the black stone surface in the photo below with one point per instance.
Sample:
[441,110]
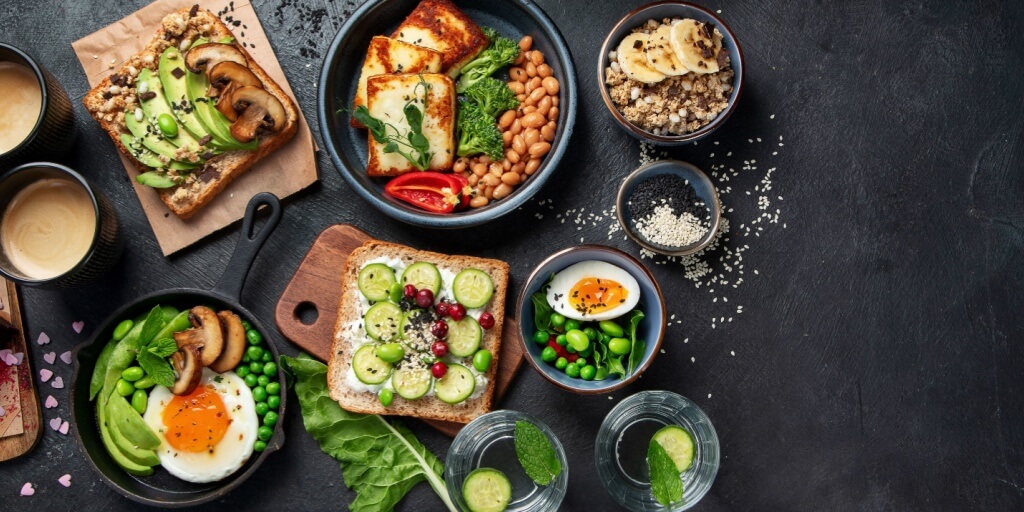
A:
[877,363]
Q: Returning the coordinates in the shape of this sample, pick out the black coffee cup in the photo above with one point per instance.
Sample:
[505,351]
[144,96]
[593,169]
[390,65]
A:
[54,132]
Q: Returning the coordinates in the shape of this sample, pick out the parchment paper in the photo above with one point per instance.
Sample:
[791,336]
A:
[286,171]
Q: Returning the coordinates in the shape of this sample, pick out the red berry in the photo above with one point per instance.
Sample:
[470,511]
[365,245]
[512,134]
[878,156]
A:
[439,329]
[424,298]
[409,291]
[486,320]
[457,311]
[439,348]
[439,369]
[442,309]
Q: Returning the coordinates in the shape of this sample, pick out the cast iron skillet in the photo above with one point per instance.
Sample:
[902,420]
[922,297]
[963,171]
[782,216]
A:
[161,488]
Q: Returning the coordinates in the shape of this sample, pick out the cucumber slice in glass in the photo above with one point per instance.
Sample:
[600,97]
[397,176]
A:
[473,288]
[486,490]
[678,443]
[369,368]
[375,281]
[381,321]
[464,336]
[456,385]
[424,276]
[411,383]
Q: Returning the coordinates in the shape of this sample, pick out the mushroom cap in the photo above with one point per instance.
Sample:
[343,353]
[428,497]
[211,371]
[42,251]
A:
[230,72]
[234,343]
[275,116]
[206,319]
[207,55]
[186,363]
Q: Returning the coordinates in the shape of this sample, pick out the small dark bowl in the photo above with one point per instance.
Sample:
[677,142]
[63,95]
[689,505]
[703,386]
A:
[348,146]
[54,132]
[701,185]
[657,11]
[651,329]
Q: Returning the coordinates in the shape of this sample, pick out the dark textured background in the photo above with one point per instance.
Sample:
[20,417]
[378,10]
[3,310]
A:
[877,362]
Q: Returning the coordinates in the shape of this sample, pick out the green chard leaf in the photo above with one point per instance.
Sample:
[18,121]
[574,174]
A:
[636,352]
[156,367]
[666,485]
[380,460]
[535,453]
[162,347]
[541,311]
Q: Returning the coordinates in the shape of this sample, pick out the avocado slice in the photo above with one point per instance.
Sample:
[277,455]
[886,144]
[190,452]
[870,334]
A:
[131,452]
[132,468]
[157,105]
[149,158]
[172,71]
[130,423]
[152,139]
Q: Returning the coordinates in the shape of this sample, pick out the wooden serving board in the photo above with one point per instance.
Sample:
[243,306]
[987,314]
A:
[317,284]
[19,444]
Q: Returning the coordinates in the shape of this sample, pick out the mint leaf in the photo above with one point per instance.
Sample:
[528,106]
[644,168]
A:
[541,311]
[535,453]
[666,485]
[636,351]
[156,367]
[162,347]
[151,326]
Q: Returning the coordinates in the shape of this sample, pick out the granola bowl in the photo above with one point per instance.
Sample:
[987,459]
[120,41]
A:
[648,84]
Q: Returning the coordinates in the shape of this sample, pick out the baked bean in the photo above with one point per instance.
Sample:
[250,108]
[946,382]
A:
[531,166]
[491,180]
[496,169]
[531,136]
[529,109]
[547,133]
[533,120]
[484,159]
[506,165]
[479,169]
[517,126]
[519,168]
[552,124]
[521,97]
[544,71]
[535,96]
[531,70]
[459,166]
[478,201]
[473,180]
[506,137]
[517,87]
[519,60]
[506,119]
[525,44]
[518,74]
[550,84]
[510,178]
[489,191]
[512,156]
[539,149]
[544,105]
[554,101]
[535,83]
[519,145]
[502,191]
[553,114]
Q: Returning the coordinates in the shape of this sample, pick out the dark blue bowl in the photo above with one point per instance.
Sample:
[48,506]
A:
[348,146]
[651,329]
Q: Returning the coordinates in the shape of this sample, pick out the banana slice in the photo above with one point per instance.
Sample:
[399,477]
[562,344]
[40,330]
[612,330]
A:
[633,60]
[696,45]
[660,55]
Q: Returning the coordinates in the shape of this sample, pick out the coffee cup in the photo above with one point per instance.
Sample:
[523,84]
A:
[38,118]
[56,229]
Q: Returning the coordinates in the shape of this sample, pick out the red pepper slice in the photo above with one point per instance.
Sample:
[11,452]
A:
[432,191]
[462,186]
[561,351]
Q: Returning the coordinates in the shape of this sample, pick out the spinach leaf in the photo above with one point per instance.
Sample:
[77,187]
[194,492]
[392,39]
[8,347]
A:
[535,453]
[615,366]
[380,460]
[666,485]
[636,351]
[541,311]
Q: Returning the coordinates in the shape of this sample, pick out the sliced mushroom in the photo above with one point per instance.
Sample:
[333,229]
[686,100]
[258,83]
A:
[194,337]
[207,334]
[230,75]
[187,365]
[206,56]
[259,109]
[234,343]
[224,104]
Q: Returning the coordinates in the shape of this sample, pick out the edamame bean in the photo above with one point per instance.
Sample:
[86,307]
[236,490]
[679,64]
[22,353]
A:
[145,383]
[619,346]
[254,336]
[548,354]
[385,396]
[572,370]
[572,324]
[611,328]
[395,293]
[561,363]
[557,319]
[139,401]
[540,337]
[259,393]
[577,339]
[270,419]
[133,373]
[254,353]
[263,380]
[482,360]
[265,432]
[123,387]
[262,408]
[259,446]
[273,388]
[588,372]
[390,352]
[270,369]
[274,401]
[122,329]
[167,125]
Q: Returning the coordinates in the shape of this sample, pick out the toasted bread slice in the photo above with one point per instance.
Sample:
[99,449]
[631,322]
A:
[427,407]
[441,26]
[201,186]
[386,55]
[386,96]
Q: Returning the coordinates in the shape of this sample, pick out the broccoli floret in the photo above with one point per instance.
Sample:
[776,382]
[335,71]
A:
[478,133]
[489,33]
[501,52]
[492,96]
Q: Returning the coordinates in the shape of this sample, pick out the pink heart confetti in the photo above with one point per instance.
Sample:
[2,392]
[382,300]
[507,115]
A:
[10,359]
[4,353]
[64,428]
[18,358]
[66,357]
[78,326]
[44,375]
[55,423]
[58,383]
[51,402]
[65,480]
[27,490]
[2,411]
[50,357]
[43,339]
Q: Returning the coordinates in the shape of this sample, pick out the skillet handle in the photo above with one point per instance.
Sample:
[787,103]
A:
[248,246]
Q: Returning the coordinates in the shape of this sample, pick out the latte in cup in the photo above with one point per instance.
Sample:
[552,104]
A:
[48,227]
[20,104]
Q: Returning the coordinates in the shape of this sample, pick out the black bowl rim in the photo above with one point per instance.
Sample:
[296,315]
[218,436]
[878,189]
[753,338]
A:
[668,140]
[43,89]
[524,298]
[473,218]
[276,442]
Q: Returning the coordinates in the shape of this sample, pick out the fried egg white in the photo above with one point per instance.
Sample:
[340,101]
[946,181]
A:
[592,291]
[208,434]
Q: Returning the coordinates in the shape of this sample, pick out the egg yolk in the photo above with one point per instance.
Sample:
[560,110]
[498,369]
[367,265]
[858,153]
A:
[592,295]
[196,422]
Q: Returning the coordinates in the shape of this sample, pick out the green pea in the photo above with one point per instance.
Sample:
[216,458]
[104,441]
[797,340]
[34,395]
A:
[262,408]
[581,362]
[255,353]
[139,401]
[259,446]
[561,340]
[604,338]
[572,324]
[541,337]
[482,360]
[591,333]
[263,380]
[588,372]
[270,369]
[557,319]
[274,401]
[254,337]
[619,346]
[587,352]
[577,340]
[548,354]
[243,371]
[256,367]
[395,293]
[569,349]
[251,381]
[259,393]
[268,356]
[133,373]
[390,352]
[167,125]
[145,383]
[246,359]
[265,432]
[270,419]
[246,325]
[122,329]
[561,363]
[572,370]
[123,387]
[273,388]
[601,373]
[385,396]
[611,328]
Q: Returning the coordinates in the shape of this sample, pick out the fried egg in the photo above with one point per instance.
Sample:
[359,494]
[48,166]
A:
[207,434]
[593,291]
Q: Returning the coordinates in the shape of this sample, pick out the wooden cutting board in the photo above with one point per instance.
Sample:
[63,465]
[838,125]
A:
[19,444]
[316,285]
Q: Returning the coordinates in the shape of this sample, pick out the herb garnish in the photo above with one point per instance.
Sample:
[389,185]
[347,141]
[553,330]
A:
[413,145]
[535,453]
[666,485]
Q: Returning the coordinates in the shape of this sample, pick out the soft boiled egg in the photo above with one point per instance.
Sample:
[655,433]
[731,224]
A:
[207,434]
[593,290]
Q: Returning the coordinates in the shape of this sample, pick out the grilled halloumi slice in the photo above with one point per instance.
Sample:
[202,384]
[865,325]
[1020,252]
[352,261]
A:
[386,55]
[441,26]
[386,96]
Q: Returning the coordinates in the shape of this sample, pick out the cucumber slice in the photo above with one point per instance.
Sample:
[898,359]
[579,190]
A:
[424,276]
[678,443]
[411,383]
[464,336]
[473,288]
[381,321]
[456,385]
[486,490]
[369,368]
[405,331]
[375,281]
